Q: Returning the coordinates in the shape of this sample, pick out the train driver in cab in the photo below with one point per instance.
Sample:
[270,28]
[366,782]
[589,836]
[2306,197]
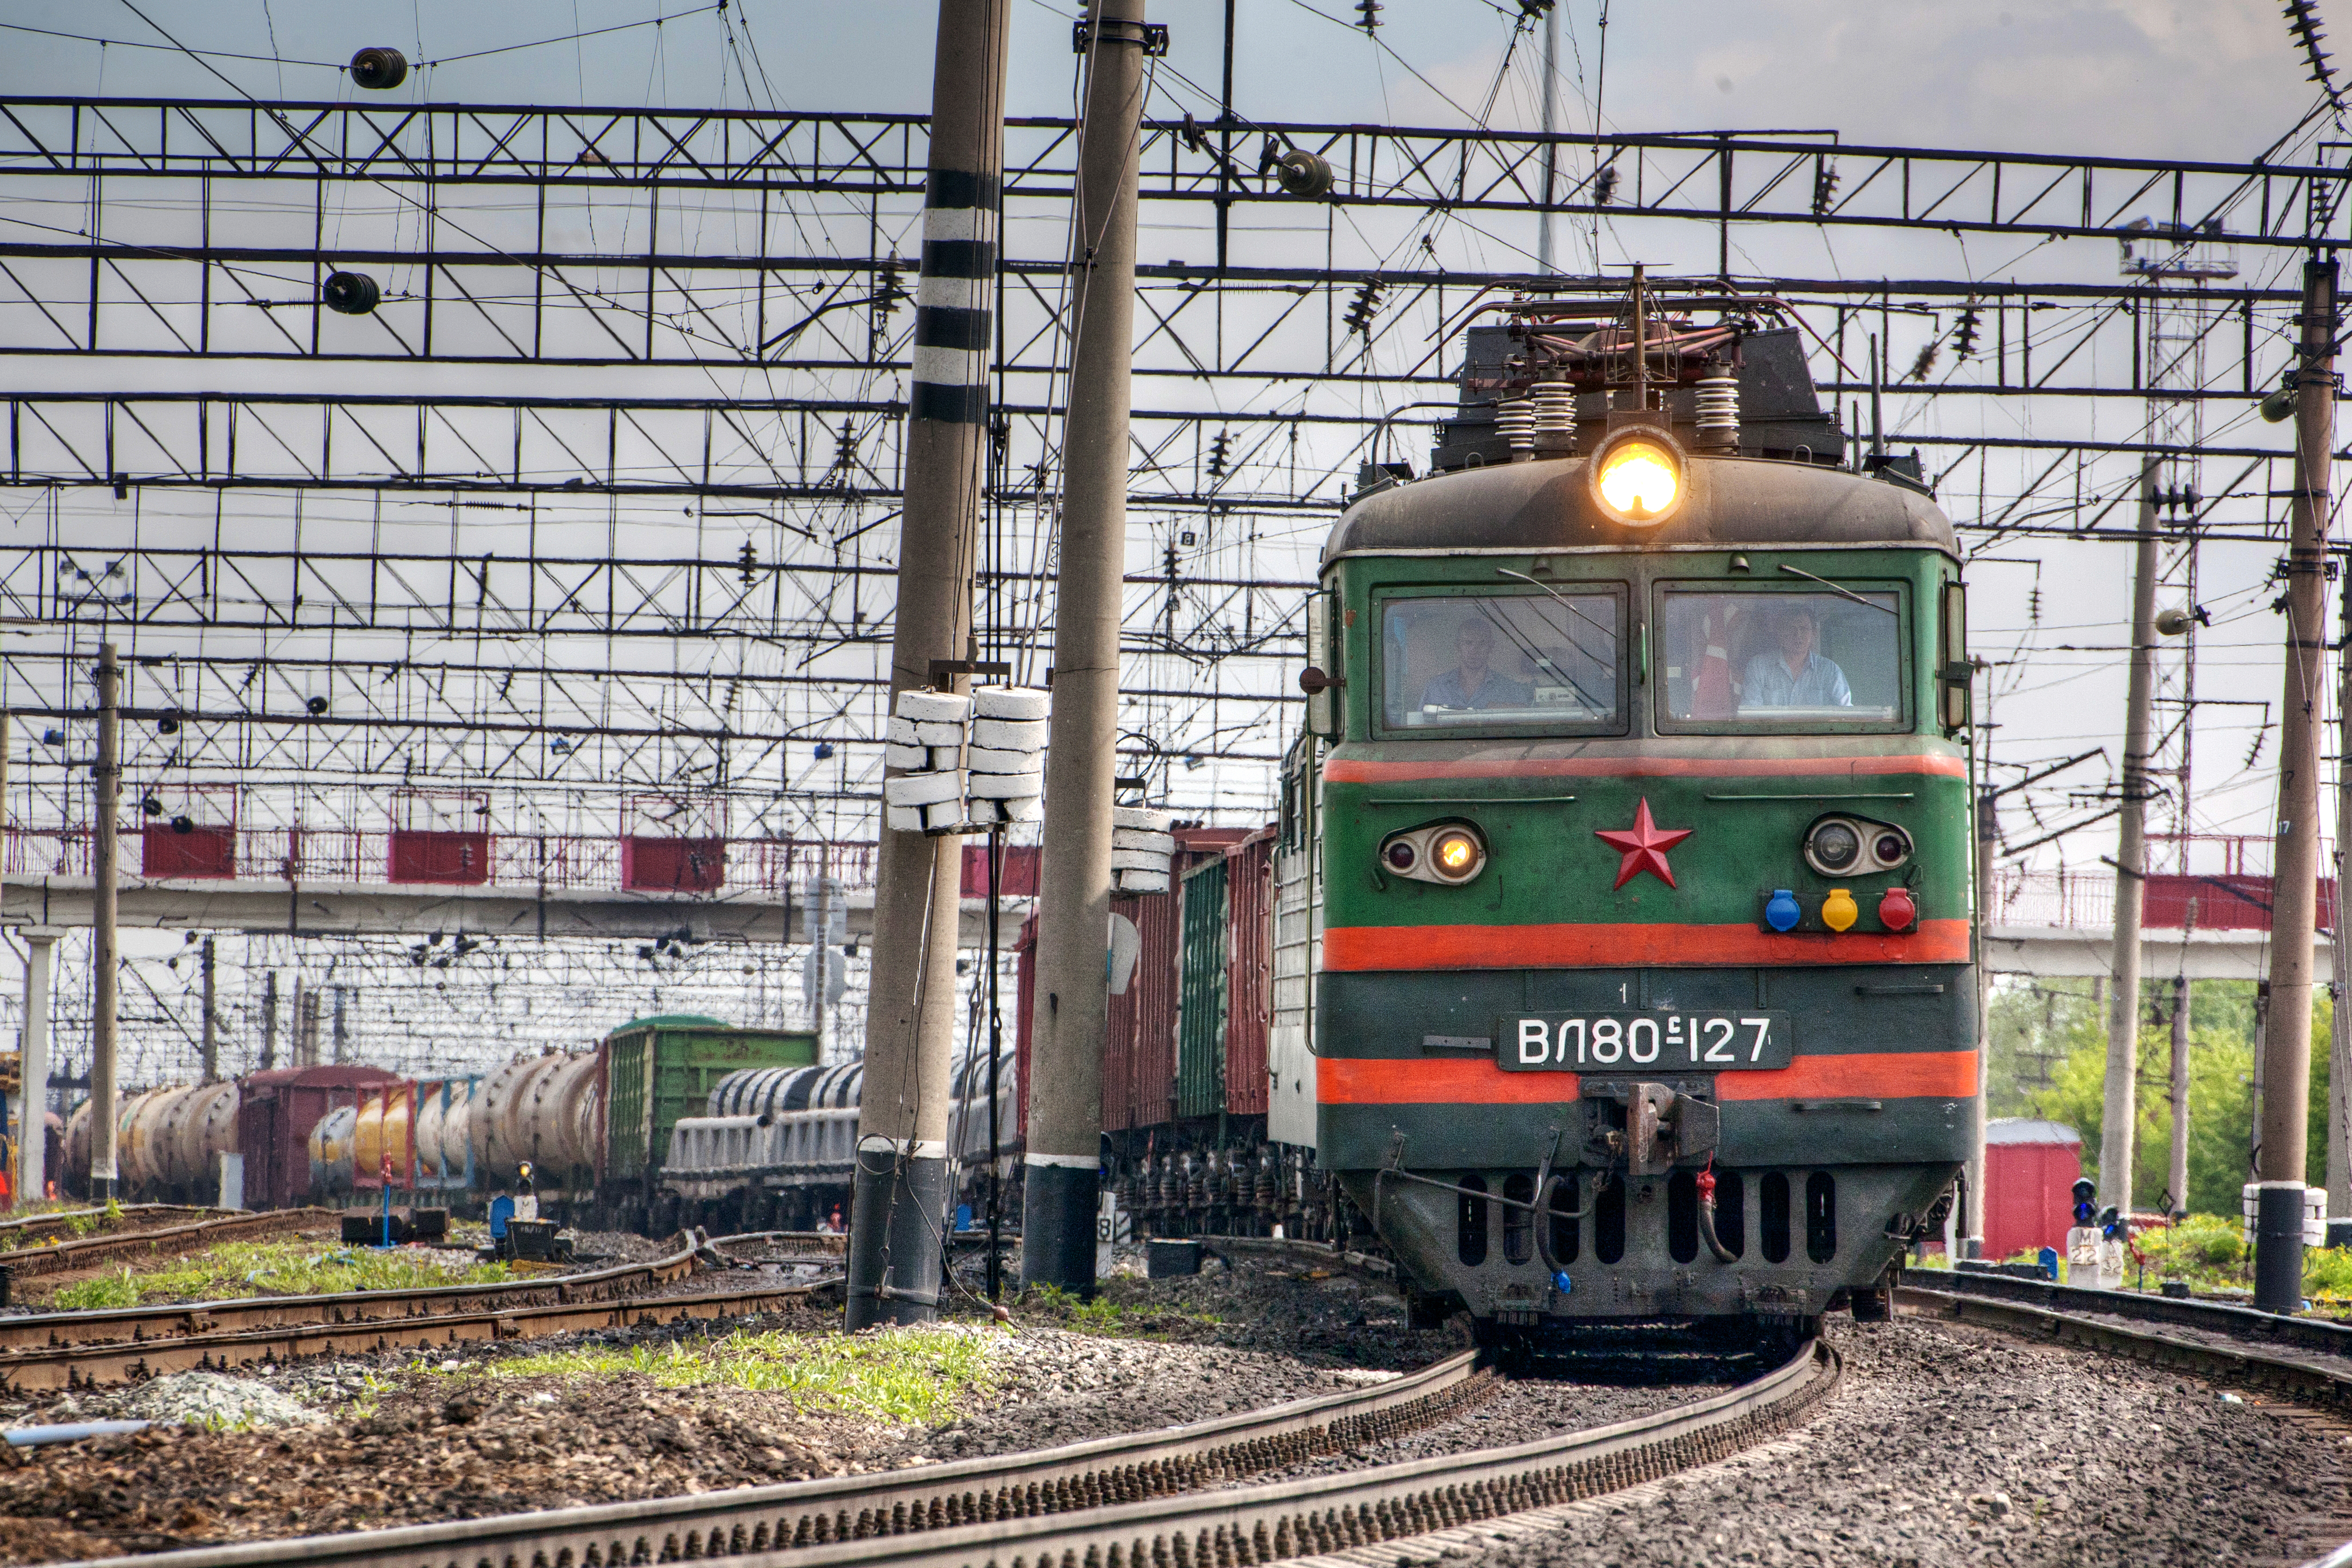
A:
[1474,682]
[1792,674]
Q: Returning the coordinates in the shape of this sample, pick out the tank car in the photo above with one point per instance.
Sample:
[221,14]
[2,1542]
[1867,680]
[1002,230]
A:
[778,1148]
[1636,811]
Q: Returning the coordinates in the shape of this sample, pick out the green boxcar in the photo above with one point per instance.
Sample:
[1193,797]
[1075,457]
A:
[659,1069]
[1203,1001]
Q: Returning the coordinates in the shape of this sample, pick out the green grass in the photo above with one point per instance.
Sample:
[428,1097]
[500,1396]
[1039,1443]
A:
[272,1269]
[1108,1315]
[901,1375]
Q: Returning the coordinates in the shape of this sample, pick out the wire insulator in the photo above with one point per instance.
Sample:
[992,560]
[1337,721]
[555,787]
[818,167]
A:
[1553,418]
[1515,417]
[1718,409]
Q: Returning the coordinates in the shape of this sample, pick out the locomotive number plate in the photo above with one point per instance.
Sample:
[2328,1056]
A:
[1666,1041]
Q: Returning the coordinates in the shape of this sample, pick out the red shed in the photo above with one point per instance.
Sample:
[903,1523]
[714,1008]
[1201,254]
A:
[275,1114]
[2030,1172]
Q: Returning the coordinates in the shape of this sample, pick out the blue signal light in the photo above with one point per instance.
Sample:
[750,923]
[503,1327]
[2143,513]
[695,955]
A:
[1781,911]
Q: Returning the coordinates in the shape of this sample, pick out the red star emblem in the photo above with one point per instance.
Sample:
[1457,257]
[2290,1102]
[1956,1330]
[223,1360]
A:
[1645,847]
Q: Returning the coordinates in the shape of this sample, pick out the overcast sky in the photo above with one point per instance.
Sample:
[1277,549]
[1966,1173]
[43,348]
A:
[2217,80]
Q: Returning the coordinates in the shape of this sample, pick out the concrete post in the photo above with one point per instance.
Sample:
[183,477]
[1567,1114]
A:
[899,1190]
[2340,1041]
[2115,1126]
[1072,996]
[2177,1171]
[32,1176]
[342,1031]
[269,1020]
[103,945]
[212,1015]
[2294,864]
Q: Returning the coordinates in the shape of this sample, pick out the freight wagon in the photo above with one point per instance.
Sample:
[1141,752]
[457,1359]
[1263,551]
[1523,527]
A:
[582,1120]
[1207,1106]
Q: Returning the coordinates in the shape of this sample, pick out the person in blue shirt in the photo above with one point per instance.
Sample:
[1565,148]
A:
[1474,682]
[1794,676]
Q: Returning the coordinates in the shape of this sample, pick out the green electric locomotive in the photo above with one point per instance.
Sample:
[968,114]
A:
[1628,854]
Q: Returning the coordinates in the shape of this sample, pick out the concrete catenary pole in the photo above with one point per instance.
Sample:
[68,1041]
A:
[2339,1040]
[899,1196]
[2295,894]
[1073,996]
[2176,1174]
[268,1020]
[32,1176]
[2116,1126]
[212,1015]
[102,857]
[1550,125]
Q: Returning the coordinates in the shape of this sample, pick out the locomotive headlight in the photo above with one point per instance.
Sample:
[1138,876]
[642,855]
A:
[1456,854]
[1637,478]
[1448,853]
[1839,846]
[1833,846]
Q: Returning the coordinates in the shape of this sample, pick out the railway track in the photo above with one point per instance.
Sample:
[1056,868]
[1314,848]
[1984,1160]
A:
[72,1350]
[1177,1496]
[2304,1361]
[35,1260]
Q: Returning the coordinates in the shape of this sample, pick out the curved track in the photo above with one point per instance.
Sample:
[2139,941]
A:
[71,1349]
[1166,1497]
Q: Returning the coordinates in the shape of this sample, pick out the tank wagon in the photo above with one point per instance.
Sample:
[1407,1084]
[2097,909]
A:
[778,1146]
[582,1120]
[1619,957]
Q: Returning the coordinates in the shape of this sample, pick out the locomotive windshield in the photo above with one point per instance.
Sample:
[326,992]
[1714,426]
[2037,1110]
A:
[1781,659]
[1502,660]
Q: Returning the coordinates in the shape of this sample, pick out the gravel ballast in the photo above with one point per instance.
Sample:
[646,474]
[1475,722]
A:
[1952,1445]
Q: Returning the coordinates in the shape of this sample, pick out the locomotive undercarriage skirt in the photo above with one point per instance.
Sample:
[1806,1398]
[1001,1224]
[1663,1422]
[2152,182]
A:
[1634,1255]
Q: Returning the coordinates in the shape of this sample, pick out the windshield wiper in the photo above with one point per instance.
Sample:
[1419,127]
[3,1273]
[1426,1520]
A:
[1841,593]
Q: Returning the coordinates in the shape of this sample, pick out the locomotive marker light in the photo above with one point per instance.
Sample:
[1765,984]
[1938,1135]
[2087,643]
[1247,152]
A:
[1636,477]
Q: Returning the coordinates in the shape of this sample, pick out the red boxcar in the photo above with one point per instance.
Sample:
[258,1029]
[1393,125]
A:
[165,851]
[1025,956]
[673,865]
[2030,1172]
[432,855]
[1249,971]
[1017,873]
[274,1119]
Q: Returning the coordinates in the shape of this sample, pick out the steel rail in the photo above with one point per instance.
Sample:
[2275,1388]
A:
[63,1220]
[1101,1508]
[2307,1381]
[931,1499]
[82,1366]
[2214,1316]
[45,1331]
[39,1259]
